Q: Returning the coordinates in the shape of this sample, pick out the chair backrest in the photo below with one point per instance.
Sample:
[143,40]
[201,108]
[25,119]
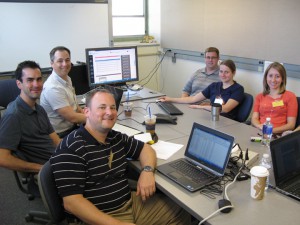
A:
[49,194]
[298,116]
[8,91]
[244,109]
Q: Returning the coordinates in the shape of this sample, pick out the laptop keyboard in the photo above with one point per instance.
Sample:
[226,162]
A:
[294,189]
[190,171]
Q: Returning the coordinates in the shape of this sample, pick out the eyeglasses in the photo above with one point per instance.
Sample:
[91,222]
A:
[211,57]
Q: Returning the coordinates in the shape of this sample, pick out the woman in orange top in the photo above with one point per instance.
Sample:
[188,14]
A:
[275,102]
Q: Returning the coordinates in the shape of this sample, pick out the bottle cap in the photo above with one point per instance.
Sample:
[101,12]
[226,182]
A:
[268,119]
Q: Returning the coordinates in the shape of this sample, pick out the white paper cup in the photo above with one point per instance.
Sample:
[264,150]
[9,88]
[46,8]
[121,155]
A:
[259,176]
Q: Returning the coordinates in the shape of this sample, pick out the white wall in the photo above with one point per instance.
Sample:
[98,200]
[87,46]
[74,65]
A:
[174,76]
[30,30]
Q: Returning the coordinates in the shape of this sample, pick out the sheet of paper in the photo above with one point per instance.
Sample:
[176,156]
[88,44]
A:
[143,137]
[165,150]
[125,130]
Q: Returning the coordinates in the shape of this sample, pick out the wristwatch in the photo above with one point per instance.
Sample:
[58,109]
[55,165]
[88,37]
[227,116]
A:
[148,169]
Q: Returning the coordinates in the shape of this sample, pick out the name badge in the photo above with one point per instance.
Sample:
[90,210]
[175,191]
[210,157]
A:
[277,103]
[219,101]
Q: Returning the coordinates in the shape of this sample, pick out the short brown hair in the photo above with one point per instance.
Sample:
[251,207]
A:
[91,94]
[212,49]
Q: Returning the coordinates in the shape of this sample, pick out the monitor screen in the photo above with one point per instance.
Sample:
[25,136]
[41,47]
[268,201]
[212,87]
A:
[112,65]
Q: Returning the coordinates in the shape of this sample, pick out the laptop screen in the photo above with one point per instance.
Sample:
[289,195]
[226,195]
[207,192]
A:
[117,92]
[285,152]
[209,148]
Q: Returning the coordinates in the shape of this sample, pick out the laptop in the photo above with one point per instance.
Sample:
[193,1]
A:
[117,92]
[207,155]
[285,153]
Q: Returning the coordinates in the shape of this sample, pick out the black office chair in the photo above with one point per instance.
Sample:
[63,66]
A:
[50,196]
[298,116]
[8,92]
[27,184]
[244,109]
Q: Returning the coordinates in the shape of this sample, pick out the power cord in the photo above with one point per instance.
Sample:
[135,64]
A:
[153,71]
[227,204]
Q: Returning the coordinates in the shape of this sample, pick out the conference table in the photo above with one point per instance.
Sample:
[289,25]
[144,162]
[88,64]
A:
[275,208]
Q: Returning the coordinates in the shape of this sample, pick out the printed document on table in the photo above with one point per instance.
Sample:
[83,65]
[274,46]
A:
[126,130]
[165,150]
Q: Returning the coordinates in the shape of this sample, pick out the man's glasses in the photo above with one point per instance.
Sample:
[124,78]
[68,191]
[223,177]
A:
[211,57]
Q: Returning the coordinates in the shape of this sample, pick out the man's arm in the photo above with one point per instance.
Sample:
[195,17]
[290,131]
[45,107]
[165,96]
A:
[55,138]
[71,116]
[87,212]
[9,161]
[146,182]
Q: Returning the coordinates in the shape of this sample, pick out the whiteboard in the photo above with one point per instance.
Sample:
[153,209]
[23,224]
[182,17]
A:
[265,30]
[30,30]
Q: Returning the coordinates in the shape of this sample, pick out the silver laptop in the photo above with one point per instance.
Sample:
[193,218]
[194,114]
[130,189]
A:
[205,162]
[285,152]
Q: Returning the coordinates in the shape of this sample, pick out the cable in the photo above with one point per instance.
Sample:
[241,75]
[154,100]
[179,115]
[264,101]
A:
[153,71]
[226,197]
[211,215]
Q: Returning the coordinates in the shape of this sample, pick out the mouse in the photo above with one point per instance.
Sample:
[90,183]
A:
[224,202]
[136,87]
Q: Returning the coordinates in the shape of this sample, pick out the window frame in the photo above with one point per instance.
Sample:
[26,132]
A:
[132,37]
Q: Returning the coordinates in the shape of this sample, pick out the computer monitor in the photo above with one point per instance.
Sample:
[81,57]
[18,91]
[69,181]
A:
[79,79]
[112,65]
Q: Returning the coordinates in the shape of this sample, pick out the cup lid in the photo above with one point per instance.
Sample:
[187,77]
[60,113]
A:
[152,116]
[216,105]
[259,171]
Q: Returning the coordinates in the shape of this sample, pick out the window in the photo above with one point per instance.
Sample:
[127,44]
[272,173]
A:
[129,19]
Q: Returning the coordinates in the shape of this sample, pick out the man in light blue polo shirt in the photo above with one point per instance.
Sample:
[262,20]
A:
[58,96]
[203,77]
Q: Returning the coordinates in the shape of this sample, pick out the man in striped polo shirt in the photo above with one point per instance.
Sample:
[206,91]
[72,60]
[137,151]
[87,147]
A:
[89,167]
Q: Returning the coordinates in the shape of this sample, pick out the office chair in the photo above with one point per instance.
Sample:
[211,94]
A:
[27,184]
[8,92]
[298,116]
[244,109]
[50,197]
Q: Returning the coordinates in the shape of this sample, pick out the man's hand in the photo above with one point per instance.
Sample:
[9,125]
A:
[146,185]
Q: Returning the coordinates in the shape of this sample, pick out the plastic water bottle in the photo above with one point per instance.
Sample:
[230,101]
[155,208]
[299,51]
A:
[266,162]
[267,132]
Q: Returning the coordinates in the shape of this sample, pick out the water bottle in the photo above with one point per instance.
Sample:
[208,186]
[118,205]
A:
[267,132]
[266,162]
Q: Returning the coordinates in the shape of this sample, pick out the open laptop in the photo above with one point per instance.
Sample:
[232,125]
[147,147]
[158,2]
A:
[207,155]
[285,152]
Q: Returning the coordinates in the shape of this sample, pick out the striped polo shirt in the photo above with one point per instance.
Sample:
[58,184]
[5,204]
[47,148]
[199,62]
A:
[82,165]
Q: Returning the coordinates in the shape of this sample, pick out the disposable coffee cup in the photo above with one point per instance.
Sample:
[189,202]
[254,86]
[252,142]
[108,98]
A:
[150,122]
[128,108]
[259,176]
[215,111]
